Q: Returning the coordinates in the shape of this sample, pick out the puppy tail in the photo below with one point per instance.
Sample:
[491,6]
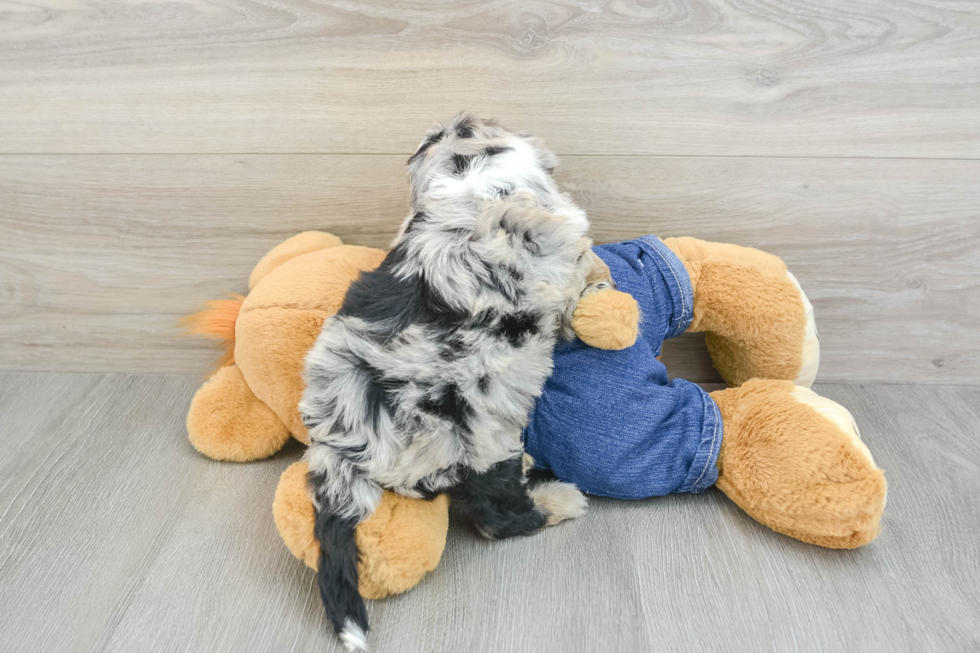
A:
[217,321]
[337,578]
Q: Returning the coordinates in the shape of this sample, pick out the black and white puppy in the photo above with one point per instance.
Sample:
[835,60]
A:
[423,381]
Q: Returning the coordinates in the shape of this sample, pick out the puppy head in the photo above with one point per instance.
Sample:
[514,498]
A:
[471,158]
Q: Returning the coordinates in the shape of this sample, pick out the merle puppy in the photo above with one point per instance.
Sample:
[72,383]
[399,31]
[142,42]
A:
[423,381]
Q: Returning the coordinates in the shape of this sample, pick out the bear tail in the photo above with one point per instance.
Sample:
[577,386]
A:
[217,321]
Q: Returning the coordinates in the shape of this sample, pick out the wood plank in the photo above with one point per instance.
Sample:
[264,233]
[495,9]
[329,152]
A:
[101,255]
[117,536]
[891,78]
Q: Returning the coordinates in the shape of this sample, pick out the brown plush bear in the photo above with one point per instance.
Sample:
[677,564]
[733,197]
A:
[790,458]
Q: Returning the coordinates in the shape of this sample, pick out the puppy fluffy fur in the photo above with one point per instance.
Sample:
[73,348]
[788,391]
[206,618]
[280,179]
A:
[423,381]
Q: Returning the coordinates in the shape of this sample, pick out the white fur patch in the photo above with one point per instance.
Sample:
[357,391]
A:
[560,501]
[353,637]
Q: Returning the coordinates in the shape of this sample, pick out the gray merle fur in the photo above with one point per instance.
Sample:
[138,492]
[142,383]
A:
[423,380]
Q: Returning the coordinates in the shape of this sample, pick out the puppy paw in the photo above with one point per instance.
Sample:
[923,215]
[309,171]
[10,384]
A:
[558,501]
[607,319]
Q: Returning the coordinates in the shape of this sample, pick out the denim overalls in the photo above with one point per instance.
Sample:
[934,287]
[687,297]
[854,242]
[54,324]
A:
[610,421]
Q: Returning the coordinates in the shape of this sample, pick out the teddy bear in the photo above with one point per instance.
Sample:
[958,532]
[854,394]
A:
[608,419]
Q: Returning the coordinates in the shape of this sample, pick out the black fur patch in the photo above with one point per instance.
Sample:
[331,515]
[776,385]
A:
[337,567]
[516,326]
[390,303]
[530,245]
[451,406]
[497,500]
[483,383]
[460,163]
[379,296]
[494,150]
[380,393]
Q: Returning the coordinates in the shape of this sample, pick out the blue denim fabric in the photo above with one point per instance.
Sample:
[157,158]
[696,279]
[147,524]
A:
[610,421]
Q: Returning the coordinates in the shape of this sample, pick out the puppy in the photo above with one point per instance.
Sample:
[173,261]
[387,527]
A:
[423,380]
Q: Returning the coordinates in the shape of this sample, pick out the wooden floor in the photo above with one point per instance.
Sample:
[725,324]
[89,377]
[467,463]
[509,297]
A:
[115,535]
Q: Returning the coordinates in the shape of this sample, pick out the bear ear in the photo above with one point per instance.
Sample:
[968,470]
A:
[304,243]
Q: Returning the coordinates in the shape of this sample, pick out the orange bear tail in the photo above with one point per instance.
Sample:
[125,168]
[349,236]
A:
[217,321]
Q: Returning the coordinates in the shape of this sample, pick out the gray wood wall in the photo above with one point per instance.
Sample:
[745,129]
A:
[151,153]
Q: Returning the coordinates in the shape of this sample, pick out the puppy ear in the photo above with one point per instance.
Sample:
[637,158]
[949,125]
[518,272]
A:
[419,166]
[432,136]
[547,158]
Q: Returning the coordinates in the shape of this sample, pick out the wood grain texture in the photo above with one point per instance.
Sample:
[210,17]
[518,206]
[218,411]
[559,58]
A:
[889,78]
[116,536]
[101,255]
